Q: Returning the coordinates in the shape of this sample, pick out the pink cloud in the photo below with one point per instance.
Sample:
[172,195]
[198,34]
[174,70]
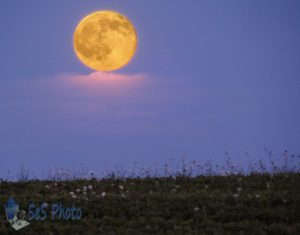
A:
[101,82]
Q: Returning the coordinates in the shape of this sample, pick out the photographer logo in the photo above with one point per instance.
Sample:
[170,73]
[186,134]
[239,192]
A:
[39,212]
[14,215]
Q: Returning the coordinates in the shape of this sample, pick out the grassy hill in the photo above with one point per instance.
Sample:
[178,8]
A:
[234,204]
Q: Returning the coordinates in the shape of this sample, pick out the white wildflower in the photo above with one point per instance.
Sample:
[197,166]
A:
[257,195]
[90,187]
[196,208]
[103,194]
[121,187]
[224,173]
[239,189]
[84,188]
[47,186]
[235,195]
[284,201]
[72,193]
[78,190]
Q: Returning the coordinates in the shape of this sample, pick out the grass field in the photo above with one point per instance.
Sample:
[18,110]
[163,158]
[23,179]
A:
[233,204]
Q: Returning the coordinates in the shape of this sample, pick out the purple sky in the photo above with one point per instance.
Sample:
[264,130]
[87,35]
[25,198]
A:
[208,77]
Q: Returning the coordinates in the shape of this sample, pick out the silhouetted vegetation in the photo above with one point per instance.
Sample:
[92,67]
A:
[264,200]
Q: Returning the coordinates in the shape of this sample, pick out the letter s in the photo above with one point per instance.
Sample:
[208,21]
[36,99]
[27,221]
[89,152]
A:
[43,212]
[31,210]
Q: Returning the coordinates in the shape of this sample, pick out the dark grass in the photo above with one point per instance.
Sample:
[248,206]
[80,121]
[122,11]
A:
[181,197]
[234,204]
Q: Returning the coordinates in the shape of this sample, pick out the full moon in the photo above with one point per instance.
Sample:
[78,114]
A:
[105,40]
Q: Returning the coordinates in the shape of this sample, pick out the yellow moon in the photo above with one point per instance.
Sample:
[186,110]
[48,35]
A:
[105,40]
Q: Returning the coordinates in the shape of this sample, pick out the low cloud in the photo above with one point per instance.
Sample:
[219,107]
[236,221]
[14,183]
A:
[100,83]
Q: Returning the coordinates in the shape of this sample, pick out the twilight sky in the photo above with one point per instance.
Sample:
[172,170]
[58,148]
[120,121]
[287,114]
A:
[208,77]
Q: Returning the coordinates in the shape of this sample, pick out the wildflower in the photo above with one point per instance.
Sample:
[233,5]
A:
[257,195]
[85,177]
[239,189]
[78,190]
[47,186]
[72,193]
[103,194]
[84,193]
[121,187]
[90,187]
[55,184]
[84,188]
[196,208]
[268,185]
[206,186]
[235,195]
[123,195]
[93,192]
